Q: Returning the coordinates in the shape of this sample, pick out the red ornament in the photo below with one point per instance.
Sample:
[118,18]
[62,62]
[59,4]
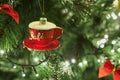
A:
[108,68]
[43,36]
[53,33]
[43,44]
[9,10]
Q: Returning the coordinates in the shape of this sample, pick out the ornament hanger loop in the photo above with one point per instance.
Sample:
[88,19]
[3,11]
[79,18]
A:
[42,7]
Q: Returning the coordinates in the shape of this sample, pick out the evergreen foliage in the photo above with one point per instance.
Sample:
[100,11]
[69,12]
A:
[90,36]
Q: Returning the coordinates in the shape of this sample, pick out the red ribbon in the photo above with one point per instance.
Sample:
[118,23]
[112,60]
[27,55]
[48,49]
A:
[108,68]
[9,10]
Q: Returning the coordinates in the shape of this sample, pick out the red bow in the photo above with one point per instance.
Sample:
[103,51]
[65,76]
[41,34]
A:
[9,10]
[107,69]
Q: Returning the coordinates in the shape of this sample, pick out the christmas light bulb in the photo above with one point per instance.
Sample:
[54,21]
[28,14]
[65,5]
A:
[2,52]
[102,60]
[15,67]
[37,75]
[118,49]
[119,14]
[44,63]
[65,67]
[117,27]
[85,62]
[23,74]
[80,64]
[106,36]
[66,63]
[64,11]
[113,42]
[102,5]
[119,61]
[113,15]
[99,60]
[112,51]
[73,60]
[108,16]
[36,59]
[103,41]
[102,46]
[98,43]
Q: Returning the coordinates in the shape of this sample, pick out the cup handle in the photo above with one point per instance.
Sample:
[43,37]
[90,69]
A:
[57,32]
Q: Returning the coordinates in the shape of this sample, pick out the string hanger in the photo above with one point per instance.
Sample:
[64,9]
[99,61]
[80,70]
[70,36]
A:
[42,7]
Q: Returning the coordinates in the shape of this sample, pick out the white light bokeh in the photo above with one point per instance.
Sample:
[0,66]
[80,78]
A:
[118,49]
[73,60]
[36,59]
[108,16]
[119,61]
[80,64]
[37,75]
[70,14]
[102,42]
[102,5]
[65,67]
[102,60]
[64,11]
[66,63]
[114,42]
[119,14]
[112,51]
[2,52]
[99,60]
[102,46]
[23,74]
[85,62]
[106,36]
[114,16]
[117,27]
[44,63]
[14,66]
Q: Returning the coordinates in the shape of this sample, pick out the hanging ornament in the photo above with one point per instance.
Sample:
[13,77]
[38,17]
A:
[43,35]
[108,68]
[9,10]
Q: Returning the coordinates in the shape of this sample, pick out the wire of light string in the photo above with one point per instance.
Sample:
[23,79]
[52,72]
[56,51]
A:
[42,7]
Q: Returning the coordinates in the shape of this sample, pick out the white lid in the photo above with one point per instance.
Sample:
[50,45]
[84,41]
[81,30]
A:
[41,26]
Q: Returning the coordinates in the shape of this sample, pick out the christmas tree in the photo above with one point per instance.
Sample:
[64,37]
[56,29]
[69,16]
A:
[90,37]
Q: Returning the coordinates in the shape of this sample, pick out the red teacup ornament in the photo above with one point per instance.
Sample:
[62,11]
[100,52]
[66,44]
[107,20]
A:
[43,35]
